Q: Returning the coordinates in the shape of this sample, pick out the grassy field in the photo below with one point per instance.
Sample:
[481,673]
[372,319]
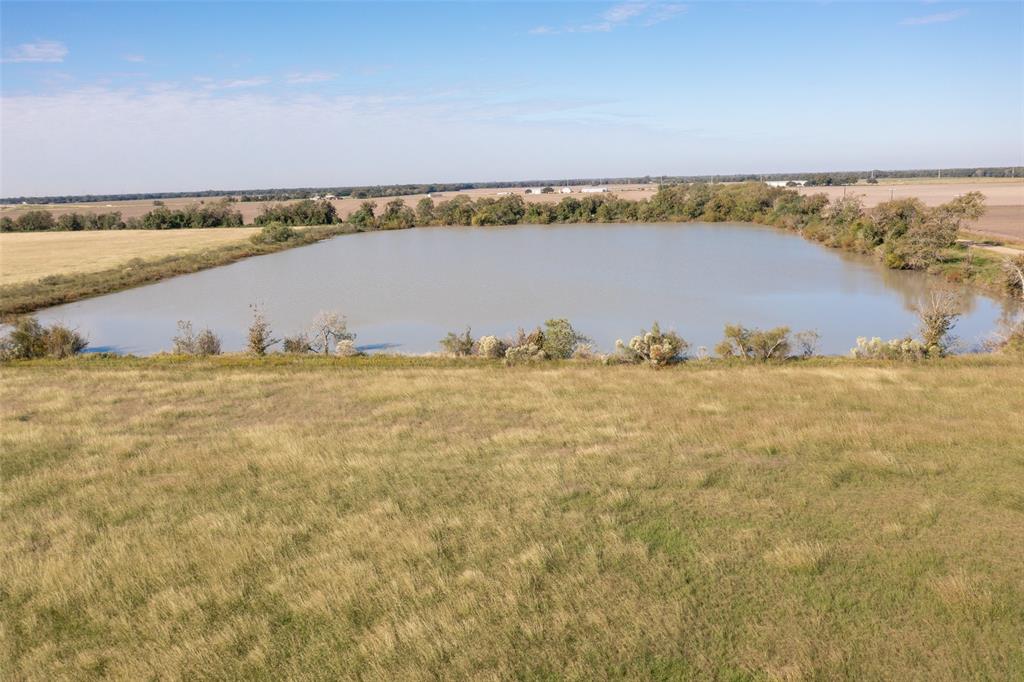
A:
[85,264]
[26,256]
[422,519]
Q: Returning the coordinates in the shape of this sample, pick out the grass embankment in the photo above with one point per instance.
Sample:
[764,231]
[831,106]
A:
[24,297]
[416,519]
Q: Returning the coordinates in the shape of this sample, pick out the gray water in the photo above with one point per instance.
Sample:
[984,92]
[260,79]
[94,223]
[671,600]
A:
[402,291]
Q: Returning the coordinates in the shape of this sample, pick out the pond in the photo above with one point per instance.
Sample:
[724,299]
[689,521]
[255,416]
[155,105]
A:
[404,290]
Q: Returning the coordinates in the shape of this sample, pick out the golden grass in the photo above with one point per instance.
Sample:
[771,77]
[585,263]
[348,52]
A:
[30,256]
[417,519]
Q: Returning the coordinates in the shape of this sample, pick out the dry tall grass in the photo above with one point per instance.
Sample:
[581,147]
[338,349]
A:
[365,519]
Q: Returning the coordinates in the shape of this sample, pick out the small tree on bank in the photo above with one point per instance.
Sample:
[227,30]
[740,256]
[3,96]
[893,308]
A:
[938,316]
[459,345]
[327,330]
[29,339]
[754,344]
[260,337]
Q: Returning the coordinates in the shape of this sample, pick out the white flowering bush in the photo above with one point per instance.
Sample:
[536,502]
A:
[346,348]
[894,349]
[491,347]
[526,348]
[654,347]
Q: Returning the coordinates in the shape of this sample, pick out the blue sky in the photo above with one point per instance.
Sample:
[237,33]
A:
[146,96]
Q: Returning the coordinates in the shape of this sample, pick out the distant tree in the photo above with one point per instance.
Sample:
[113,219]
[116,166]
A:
[425,211]
[260,337]
[1013,276]
[397,216]
[327,330]
[458,345]
[560,339]
[547,190]
[753,343]
[363,217]
[938,316]
[35,221]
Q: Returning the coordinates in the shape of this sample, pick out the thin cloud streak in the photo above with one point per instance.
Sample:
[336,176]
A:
[43,51]
[309,77]
[940,18]
[643,14]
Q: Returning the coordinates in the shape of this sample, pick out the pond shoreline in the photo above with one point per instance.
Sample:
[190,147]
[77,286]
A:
[28,297]
[403,291]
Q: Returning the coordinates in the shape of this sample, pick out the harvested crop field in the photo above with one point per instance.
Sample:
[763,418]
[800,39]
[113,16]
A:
[424,519]
[29,256]
[1004,200]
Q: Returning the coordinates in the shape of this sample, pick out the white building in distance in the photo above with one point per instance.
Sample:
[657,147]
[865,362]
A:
[593,190]
[785,183]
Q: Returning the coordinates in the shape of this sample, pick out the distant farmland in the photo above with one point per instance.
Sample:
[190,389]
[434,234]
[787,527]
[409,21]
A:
[1003,219]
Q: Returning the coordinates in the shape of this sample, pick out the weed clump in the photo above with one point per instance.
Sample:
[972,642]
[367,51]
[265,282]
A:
[29,339]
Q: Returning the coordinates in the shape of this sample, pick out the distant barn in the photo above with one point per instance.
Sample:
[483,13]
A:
[594,190]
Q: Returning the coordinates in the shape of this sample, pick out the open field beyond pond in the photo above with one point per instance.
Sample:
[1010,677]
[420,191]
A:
[29,256]
[418,519]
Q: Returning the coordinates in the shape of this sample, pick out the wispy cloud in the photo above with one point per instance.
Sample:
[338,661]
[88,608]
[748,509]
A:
[624,14]
[301,78]
[234,84]
[134,58]
[939,18]
[44,51]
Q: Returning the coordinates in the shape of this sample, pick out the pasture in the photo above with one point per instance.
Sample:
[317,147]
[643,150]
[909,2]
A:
[420,519]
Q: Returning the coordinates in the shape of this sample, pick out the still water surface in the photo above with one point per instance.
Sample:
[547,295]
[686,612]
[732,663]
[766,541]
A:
[403,290]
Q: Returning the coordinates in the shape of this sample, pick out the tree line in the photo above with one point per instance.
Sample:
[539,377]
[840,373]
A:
[217,214]
[377,191]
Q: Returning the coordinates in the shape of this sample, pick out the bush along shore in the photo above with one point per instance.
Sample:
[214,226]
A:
[328,335]
[901,234]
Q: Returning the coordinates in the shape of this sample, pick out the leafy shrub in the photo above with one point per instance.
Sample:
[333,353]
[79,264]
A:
[346,348]
[937,317]
[560,340]
[296,344]
[304,212]
[189,343]
[491,347]
[328,329]
[894,349]
[654,347]
[459,345]
[807,342]
[274,233]
[185,342]
[260,337]
[526,347]
[1008,337]
[1013,276]
[29,339]
[363,218]
[754,344]
[207,343]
